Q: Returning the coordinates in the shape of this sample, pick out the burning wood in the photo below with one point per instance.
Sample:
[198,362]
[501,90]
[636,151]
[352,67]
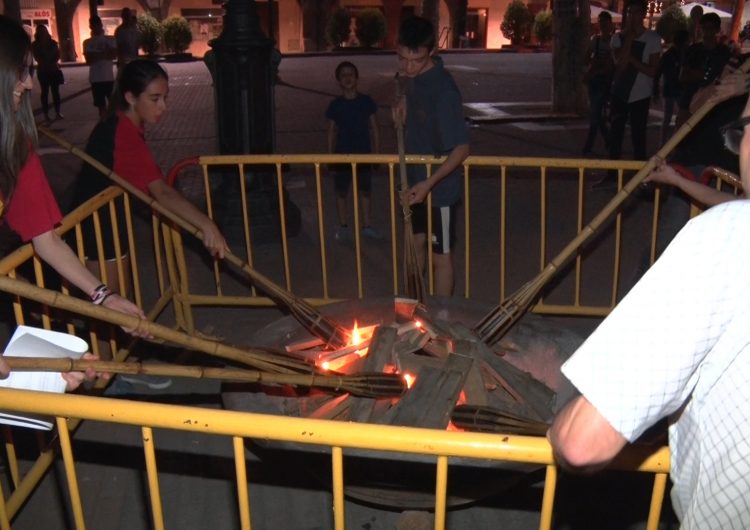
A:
[446,368]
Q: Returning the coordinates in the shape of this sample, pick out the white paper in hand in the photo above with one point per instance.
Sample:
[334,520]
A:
[35,342]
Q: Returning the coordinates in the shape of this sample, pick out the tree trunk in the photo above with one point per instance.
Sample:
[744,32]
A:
[12,9]
[458,9]
[315,14]
[737,12]
[571,23]
[64,11]
[392,11]
[431,11]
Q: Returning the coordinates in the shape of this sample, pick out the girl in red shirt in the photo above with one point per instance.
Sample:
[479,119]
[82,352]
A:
[29,207]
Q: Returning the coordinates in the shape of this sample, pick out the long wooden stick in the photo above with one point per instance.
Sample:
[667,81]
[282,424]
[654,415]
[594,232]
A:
[379,385]
[333,334]
[259,359]
[413,279]
[498,321]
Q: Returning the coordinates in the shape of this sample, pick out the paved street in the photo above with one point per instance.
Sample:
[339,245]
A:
[197,490]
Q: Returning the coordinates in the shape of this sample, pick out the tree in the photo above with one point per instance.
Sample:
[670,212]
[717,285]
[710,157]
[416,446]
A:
[338,26]
[64,11]
[177,34]
[517,22]
[543,27]
[370,27]
[152,34]
[571,26]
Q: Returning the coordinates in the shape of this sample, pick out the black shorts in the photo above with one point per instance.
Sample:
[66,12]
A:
[443,225]
[102,91]
[342,178]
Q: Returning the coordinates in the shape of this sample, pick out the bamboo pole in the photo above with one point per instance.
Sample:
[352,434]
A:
[498,321]
[333,334]
[260,359]
[413,280]
[375,385]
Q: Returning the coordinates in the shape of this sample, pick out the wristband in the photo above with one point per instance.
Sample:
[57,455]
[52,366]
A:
[100,294]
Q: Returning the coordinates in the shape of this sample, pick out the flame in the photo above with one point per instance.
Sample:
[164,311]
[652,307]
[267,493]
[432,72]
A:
[356,337]
[410,379]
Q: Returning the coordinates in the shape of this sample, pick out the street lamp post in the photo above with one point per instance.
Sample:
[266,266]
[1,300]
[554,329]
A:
[243,82]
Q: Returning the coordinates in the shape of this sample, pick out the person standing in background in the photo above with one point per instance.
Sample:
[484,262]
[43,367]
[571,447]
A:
[100,50]
[47,55]
[636,51]
[352,128]
[128,38]
[598,77]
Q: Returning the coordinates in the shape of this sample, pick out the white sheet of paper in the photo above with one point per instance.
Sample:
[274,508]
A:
[36,342]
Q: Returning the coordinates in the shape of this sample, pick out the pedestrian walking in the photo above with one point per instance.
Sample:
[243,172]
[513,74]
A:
[100,50]
[352,129]
[47,55]
[128,38]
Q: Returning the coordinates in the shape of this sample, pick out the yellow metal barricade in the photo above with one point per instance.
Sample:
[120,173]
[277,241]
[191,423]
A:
[498,194]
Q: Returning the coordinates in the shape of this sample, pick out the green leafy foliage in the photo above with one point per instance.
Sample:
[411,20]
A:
[152,34]
[371,27]
[177,34]
[543,26]
[337,28]
[671,20]
[517,22]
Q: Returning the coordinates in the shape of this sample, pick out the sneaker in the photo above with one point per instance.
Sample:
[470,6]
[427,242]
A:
[372,233]
[154,382]
[343,234]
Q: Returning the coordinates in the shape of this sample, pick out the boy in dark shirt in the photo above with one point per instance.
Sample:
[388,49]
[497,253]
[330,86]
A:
[433,114]
[352,128]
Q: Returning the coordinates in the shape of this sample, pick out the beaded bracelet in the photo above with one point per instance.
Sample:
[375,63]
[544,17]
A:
[100,294]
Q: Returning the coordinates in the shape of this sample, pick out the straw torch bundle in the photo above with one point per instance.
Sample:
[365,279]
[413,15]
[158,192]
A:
[498,321]
[413,279]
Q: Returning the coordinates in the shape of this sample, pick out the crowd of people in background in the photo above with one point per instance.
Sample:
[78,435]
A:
[626,73]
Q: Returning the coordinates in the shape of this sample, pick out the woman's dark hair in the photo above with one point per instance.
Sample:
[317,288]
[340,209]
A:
[17,127]
[134,78]
[346,64]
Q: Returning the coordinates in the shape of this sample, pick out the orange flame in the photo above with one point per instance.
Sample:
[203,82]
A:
[410,379]
[356,337]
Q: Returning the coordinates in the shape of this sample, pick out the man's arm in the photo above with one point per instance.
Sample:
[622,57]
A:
[420,190]
[582,438]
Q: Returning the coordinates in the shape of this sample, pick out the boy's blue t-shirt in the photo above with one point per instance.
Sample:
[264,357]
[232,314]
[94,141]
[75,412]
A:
[352,119]
[435,125]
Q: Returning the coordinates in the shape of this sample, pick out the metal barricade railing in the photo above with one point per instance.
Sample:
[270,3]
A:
[338,436]
[161,273]
[494,188]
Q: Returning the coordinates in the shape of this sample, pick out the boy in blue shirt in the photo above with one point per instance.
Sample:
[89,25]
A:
[352,129]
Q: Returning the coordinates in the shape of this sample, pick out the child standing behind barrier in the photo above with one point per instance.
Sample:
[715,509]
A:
[352,129]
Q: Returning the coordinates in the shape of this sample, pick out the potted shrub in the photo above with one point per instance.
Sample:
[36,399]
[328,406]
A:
[151,34]
[371,27]
[543,27]
[517,22]
[338,27]
[177,36]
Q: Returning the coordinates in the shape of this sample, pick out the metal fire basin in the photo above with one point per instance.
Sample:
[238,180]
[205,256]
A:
[538,346]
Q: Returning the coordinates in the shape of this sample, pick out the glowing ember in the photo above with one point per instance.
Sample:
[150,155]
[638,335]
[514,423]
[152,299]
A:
[410,379]
[356,335]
